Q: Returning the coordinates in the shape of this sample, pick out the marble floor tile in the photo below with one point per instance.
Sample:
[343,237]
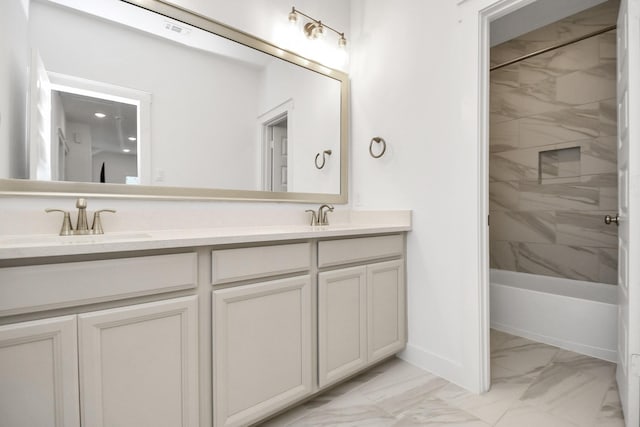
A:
[359,415]
[523,356]
[506,388]
[530,416]
[610,414]
[533,385]
[435,412]
[568,393]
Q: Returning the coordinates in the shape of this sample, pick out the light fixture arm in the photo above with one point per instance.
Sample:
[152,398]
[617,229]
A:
[342,39]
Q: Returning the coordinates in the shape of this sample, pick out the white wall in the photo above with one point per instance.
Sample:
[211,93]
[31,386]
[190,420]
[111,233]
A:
[78,162]
[406,77]
[14,54]
[214,141]
[313,127]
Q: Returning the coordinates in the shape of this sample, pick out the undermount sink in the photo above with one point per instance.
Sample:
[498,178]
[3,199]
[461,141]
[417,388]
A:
[45,240]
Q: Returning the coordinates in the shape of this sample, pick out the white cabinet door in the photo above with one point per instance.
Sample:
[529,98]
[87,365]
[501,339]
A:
[342,323]
[385,309]
[39,373]
[262,349]
[139,365]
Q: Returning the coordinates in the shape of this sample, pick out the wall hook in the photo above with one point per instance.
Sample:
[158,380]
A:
[327,152]
[377,140]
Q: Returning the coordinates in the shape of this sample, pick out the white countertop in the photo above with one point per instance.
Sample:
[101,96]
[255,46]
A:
[30,246]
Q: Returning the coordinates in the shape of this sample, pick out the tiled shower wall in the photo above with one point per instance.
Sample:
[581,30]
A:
[553,152]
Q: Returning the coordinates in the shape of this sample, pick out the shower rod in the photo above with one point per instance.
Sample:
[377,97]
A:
[556,46]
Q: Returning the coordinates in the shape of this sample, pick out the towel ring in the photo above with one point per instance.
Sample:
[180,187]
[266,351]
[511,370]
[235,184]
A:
[377,140]
[328,152]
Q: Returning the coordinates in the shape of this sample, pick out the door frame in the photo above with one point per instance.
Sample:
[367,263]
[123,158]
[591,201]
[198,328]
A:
[485,16]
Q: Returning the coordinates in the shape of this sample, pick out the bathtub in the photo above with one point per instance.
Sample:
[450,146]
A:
[571,314]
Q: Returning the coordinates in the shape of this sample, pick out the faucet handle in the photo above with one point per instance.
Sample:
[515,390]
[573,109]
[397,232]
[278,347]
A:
[81,203]
[66,229]
[314,217]
[96,227]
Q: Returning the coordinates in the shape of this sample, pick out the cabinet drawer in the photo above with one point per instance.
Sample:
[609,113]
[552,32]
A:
[232,265]
[44,287]
[336,252]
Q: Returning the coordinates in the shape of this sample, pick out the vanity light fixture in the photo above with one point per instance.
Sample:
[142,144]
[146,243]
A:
[126,150]
[132,138]
[315,29]
[100,115]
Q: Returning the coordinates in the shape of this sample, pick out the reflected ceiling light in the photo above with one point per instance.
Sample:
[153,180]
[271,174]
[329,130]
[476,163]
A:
[132,138]
[100,115]
[126,150]
[315,29]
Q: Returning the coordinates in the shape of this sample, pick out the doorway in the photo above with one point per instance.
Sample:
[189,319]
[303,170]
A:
[557,162]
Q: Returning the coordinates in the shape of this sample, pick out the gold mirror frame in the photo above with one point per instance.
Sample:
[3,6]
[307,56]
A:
[26,187]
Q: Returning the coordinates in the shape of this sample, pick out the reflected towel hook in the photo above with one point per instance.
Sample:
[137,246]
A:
[328,152]
[377,140]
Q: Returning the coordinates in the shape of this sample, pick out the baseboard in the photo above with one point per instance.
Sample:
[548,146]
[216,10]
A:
[450,370]
[600,353]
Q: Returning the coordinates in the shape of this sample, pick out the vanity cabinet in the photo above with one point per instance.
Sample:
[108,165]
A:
[361,309]
[39,373]
[137,366]
[131,365]
[262,332]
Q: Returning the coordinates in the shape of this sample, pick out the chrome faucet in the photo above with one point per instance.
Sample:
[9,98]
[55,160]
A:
[82,225]
[322,214]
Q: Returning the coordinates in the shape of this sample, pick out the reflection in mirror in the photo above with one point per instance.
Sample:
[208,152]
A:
[102,139]
[220,115]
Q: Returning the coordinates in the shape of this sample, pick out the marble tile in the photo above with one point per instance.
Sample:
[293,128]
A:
[506,388]
[607,46]
[571,262]
[585,229]
[551,196]
[358,415]
[497,340]
[504,136]
[537,227]
[569,393]
[522,356]
[610,414]
[528,416]
[608,264]
[437,413]
[561,163]
[514,165]
[586,86]
[564,125]
[578,56]
[597,368]
[504,195]
[505,78]
[599,156]
[503,255]
[608,187]
[533,384]
[394,376]
[396,398]
[608,115]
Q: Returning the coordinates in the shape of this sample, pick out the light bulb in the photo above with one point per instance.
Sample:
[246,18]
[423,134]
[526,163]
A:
[293,16]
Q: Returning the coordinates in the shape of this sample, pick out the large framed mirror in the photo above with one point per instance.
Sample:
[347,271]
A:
[140,98]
